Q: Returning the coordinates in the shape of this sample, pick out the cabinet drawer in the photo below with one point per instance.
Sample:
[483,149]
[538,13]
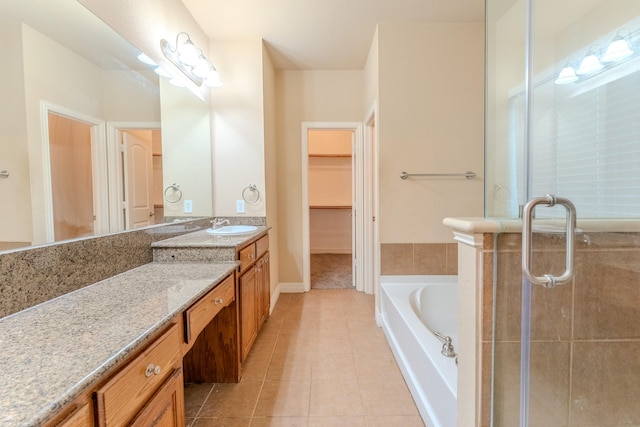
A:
[262,246]
[128,391]
[247,256]
[199,315]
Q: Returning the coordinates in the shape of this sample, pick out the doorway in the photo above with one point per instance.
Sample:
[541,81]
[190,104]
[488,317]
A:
[330,188]
[362,263]
[74,185]
[136,184]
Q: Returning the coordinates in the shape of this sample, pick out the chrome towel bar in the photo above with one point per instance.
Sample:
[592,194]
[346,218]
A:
[467,174]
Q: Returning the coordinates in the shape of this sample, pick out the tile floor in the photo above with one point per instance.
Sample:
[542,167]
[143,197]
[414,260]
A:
[320,360]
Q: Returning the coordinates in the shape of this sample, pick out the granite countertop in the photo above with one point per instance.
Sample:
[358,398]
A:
[54,351]
[202,239]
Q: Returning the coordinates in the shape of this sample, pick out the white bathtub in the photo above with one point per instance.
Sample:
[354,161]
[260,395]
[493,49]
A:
[411,306]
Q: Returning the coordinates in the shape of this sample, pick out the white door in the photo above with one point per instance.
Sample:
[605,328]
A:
[138,180]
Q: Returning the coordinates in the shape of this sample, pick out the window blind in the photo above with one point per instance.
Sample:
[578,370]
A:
[586,145]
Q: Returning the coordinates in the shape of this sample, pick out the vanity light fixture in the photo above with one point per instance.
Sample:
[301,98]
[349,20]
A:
[190,60]
[618,50]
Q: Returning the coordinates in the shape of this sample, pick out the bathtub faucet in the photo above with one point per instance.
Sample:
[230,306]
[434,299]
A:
[447,346]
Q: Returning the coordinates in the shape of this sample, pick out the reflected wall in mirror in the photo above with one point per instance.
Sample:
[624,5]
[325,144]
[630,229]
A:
[61,61]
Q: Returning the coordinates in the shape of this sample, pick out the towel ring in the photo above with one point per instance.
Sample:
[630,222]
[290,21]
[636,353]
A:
[256,194]
[175,195]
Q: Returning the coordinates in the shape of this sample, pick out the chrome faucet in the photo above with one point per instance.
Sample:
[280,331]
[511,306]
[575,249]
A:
[219,222]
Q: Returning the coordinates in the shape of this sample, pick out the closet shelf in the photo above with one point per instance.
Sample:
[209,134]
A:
[329,206]
[330,155]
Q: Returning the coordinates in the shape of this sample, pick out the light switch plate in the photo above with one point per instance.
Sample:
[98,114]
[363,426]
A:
[188,206]
[240,206]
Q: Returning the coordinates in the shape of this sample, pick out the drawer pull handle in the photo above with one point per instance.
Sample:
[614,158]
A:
[152,370]
[218,301]
[250,255]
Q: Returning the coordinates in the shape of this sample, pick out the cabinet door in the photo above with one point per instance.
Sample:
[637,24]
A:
[248,314]
[166,407]
[264,290]
[81,417]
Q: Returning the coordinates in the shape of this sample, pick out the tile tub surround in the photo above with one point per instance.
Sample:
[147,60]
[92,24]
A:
[35,275]
[54,351]
[201,246]
[419,259]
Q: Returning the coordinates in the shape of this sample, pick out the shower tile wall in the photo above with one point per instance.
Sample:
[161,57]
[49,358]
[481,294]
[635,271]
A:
[585,350]
[419,259]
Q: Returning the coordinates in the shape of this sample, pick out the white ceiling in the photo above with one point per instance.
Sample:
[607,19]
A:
[321,34]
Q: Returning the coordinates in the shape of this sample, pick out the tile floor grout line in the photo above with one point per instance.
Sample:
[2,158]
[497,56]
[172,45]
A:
[195,417]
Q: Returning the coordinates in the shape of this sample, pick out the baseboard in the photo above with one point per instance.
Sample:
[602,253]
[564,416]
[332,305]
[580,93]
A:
[290,288]
[274,299]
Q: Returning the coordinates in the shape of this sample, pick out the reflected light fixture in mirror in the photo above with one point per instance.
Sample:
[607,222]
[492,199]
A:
[566,76]
[617,50]
[191,61]
[589,65]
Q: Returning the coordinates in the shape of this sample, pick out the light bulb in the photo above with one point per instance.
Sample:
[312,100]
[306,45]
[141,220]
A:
[589,65]
[566,76]
[617,50]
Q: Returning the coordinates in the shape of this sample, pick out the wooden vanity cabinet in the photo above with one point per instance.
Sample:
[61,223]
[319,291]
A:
[77,414]
[211,348]
[254,291]
[166,407]
[148,386]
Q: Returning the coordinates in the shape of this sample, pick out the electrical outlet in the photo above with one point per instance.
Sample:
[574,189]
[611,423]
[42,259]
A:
[188,206]
[239,206]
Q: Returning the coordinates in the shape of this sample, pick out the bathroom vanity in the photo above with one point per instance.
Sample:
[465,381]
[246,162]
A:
[119,351]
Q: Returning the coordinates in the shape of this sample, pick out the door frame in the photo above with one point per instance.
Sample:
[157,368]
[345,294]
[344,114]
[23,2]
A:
[99,168]
[357,129]
[370,208]
[117,202]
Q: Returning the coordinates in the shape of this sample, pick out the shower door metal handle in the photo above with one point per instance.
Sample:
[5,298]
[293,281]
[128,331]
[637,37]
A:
[548,280]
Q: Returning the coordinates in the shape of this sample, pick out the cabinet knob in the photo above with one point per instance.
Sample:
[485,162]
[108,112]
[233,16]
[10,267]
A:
[152,370]
[218,301]
[250,256]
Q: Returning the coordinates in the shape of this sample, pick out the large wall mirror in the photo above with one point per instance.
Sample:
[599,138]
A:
[92,141]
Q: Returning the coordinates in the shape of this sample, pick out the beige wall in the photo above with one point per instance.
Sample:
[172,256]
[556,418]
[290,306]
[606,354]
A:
[271,166]
[371,76]
[186,140]
[13,135]
[431,81]
[238,126]
[305,96]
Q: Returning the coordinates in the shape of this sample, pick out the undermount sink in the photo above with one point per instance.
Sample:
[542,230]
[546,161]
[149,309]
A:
[232,229]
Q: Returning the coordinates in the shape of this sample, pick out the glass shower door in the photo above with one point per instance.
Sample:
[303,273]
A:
[563,118]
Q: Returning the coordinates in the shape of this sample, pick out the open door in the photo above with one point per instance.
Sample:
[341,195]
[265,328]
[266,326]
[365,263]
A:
[72,186]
